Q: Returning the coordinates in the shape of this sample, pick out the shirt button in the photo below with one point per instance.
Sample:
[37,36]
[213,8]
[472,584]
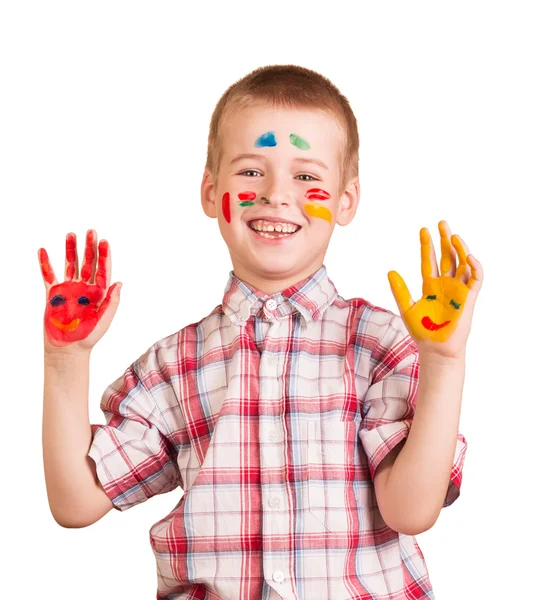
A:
[278,576]
[270,304]
[274,502]
[273,436]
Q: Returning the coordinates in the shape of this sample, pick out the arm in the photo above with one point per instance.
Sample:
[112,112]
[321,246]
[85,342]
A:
[412,480]
[78,313]
[75,496]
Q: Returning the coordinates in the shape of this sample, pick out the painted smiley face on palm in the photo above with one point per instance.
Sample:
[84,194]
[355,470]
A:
[435,316]
[72,310]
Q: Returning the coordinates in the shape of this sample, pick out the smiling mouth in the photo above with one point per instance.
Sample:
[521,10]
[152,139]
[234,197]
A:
[67,328]
[273,229]
[429,324]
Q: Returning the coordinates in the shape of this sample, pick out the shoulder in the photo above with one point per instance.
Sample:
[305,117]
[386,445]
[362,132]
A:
[378,335]
[372,320]
[173,348]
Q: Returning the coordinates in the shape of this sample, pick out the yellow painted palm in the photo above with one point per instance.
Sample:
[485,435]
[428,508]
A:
[435,316]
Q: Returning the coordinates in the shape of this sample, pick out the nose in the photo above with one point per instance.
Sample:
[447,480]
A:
[277,193]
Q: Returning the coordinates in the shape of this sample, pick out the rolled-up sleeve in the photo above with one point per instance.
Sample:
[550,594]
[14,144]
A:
[133,455]
[389,408]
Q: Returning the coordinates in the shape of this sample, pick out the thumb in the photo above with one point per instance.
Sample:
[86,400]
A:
[109,305]
[400,291]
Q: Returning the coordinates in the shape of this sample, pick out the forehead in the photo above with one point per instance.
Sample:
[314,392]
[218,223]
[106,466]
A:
[246,125]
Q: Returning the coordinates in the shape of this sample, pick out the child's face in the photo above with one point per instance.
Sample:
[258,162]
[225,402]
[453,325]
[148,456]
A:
[280,169]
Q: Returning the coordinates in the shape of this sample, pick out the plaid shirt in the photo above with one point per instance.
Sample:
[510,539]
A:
[272,414]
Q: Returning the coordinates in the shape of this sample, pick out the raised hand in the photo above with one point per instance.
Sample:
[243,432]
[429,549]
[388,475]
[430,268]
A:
[79,310]
[441,320]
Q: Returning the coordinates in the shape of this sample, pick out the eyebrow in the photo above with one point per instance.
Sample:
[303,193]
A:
[315,161]
[242,156]
[299,159]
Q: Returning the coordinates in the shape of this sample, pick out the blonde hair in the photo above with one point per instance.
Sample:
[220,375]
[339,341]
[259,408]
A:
[286,86]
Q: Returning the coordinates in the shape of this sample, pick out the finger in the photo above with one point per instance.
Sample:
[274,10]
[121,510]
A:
[102,277]
[461,271]
[110,302]
[46,269]
[448,256]
[476,279]
[429,267]
[90,245]
[400,291]
[71,257]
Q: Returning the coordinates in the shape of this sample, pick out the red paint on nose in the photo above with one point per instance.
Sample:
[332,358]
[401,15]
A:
[431,325]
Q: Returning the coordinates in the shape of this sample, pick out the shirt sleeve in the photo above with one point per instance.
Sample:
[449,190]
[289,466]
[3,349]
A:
[134,457]
[389,408]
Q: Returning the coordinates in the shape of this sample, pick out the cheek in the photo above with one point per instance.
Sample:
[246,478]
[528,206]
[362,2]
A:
[318,211]
[317,194]
[226,207]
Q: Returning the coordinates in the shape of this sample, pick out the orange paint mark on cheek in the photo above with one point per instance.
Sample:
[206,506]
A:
[318,211]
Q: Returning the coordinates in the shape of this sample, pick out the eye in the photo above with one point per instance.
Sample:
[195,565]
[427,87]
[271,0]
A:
[431,298]
[455,304]
[309,177]
[256,173]
[58,300]
[83,300]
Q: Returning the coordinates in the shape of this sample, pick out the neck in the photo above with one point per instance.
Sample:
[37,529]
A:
[271,285]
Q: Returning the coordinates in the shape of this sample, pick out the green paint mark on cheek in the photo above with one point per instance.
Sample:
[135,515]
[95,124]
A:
[299,142]
[247,203]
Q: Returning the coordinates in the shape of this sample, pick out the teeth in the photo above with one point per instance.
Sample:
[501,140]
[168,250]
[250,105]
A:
[271,237]
[265,226]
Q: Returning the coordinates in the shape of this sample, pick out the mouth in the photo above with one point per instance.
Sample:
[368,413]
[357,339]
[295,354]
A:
[273,228]
[67,328]
[429,324]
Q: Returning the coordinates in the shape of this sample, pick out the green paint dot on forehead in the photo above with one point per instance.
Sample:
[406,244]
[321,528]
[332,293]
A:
[299,142]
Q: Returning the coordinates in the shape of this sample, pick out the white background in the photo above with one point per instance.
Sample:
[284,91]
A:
[104,112]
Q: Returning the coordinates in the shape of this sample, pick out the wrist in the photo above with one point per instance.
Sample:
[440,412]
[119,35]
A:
[439,360]
[61,357]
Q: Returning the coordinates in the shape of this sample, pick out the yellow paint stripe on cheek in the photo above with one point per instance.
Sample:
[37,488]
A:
[318,211]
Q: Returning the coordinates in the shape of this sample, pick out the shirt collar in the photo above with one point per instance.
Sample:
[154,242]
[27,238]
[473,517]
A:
[309,297]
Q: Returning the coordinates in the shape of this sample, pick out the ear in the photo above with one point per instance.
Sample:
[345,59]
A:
[349,201]
[208,191]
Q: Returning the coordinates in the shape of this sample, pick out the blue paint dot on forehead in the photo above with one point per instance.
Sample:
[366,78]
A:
[266,139]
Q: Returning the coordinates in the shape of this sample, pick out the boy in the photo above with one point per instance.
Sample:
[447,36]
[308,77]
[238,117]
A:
[291,418]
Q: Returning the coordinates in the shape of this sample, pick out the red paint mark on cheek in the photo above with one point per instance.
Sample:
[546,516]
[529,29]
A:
[429,324]
[226,207]
[247,195]
[317,194]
